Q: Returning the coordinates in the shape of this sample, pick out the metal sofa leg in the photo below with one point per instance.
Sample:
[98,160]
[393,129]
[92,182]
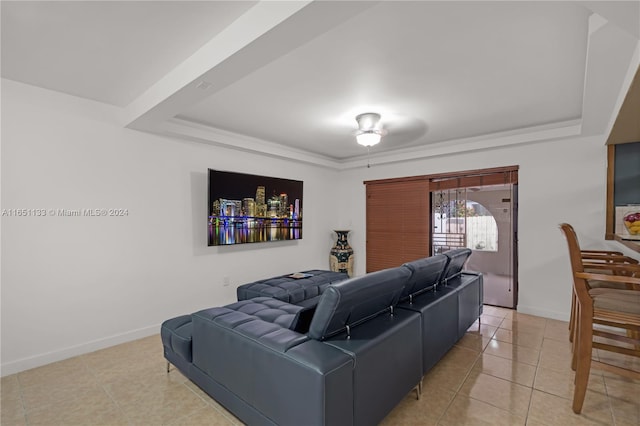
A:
[168,366]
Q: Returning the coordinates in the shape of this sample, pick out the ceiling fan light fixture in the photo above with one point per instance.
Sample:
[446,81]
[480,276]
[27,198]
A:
[369,131]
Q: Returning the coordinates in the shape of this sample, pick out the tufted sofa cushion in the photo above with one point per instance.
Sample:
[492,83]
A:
[457,259]
[176,336]
[289,289]
[265,332]
[425,274]
[351,302]
[269,310]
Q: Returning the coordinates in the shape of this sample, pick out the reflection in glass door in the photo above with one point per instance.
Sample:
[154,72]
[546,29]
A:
[481,218]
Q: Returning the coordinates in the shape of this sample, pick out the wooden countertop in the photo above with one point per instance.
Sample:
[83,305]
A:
[633,245]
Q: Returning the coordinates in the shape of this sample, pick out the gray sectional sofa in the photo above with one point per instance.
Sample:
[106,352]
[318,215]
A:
[349,359]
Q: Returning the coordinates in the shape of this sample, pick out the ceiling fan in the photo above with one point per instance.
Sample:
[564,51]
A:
[370,130]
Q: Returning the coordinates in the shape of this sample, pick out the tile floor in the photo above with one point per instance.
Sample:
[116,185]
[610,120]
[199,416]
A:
[512,370]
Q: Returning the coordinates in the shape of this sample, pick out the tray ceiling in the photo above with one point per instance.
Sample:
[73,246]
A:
[288,78]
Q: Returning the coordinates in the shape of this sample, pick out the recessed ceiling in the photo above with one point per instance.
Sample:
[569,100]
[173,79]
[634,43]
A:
[434,71]
[109,51]
[288,78]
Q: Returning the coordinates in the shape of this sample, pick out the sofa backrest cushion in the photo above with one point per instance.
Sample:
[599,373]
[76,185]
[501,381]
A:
[353,301]
[457,259]
[425,274]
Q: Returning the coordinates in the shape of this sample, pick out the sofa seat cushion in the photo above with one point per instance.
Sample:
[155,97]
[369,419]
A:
[269,310]
[290,289]
[176,336]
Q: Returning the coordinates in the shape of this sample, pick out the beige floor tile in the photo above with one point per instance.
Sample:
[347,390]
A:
[547,409]
[51,373]
[490,320]
[510,314]
[561,383]
[516,353]
[124,361]
[529,339]
[620,360]
[445,377]
[9,386]
[129,388]
[529,319]
[622,387]
[557,330]
[424,411]
[523,320]
[482,330]
[487,373]
[506,369]
[10,389]
[625,413]
[11,407]
[474,342]
[624,395]
[54,391]
[141,372]
[495,311]
[527,326]
[555,355]
[465,411]
[160,406]
[7,420]
[90,408]
[459,357]
[501,393]
[207,416]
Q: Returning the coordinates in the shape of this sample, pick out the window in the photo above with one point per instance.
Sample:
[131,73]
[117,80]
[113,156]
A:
[481,228]
[458,222]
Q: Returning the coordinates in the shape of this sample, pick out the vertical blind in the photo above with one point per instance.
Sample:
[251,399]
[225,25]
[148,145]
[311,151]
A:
[399,211]
[397,222]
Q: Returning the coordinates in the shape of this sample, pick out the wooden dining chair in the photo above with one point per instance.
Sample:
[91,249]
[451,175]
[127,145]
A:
[605,306]
[604,262]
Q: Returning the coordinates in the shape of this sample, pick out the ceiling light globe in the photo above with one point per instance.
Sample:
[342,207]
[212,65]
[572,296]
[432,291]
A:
[368,138]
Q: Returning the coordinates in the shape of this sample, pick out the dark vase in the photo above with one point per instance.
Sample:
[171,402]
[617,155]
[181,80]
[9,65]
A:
[341,255]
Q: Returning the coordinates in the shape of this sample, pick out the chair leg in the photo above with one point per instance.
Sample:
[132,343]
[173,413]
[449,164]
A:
[168,367]
[574,341]
[584,347]
[572,317]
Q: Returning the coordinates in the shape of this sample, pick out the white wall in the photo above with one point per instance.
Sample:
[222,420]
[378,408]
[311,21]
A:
[75,284]
[559,181]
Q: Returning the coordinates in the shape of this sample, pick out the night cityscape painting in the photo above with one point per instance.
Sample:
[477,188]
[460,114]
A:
[245,208]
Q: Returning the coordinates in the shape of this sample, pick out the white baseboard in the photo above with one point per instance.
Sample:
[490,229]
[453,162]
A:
[561,316]
[14,367]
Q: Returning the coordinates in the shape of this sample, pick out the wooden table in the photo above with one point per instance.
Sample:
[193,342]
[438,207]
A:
[633,245]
